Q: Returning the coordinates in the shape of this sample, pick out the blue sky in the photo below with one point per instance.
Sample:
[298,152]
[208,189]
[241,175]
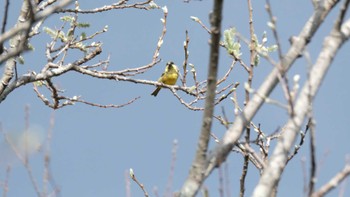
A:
[92,148]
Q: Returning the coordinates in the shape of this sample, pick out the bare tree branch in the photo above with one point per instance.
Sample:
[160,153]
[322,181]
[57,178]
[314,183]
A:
[195,178]
[120,5]
[313,167]
[250,70]
[272,173]
[234,132]
[18,44]
[333,182]
[133,177]
[26,25]
[4,22]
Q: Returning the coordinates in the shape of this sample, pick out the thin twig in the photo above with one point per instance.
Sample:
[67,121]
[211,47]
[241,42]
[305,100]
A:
[168,192]
[185,63]
[133,177]
[138,5]
[274,29]
[301,141]
[6,181]
[312,180]
[253,54]
[4,22]
[282,78]
[221,181]
[196,19]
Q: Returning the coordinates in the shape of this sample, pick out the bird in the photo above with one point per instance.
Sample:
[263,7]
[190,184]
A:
[169,76]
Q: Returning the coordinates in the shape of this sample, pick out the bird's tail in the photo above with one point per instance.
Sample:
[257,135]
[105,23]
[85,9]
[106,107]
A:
[155,93]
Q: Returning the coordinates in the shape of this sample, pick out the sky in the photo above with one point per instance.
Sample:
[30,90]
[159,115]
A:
[92,149]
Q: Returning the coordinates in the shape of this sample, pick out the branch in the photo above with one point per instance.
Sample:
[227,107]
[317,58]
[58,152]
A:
[253,55]
[120,5]
[282,78]
[195,178]
[19,41]
[4,22]
[169,185]
[312,180]
[21,29]
[333,182]
[133,177]
[274,29]
[275,167]
[235,131]
[26,25]
[32,77]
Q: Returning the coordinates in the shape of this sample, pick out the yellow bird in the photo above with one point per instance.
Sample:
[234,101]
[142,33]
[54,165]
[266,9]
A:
[169,77]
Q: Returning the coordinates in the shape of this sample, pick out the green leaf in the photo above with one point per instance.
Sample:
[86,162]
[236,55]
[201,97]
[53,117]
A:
[272,48]
[257,60]
[82,36]
[83,25]
[55,33]
[67,19]
[232,47]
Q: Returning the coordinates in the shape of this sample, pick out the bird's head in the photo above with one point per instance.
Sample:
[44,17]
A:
[170,66]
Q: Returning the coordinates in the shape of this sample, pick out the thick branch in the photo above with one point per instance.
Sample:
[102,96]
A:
[273,171]
[338,178]
[234,132]
[26,16]
[195,178]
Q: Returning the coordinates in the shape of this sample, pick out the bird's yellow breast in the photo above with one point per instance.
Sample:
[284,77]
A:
[169,78]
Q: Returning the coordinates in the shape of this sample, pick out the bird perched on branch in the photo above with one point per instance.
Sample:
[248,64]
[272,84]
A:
[169,77]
